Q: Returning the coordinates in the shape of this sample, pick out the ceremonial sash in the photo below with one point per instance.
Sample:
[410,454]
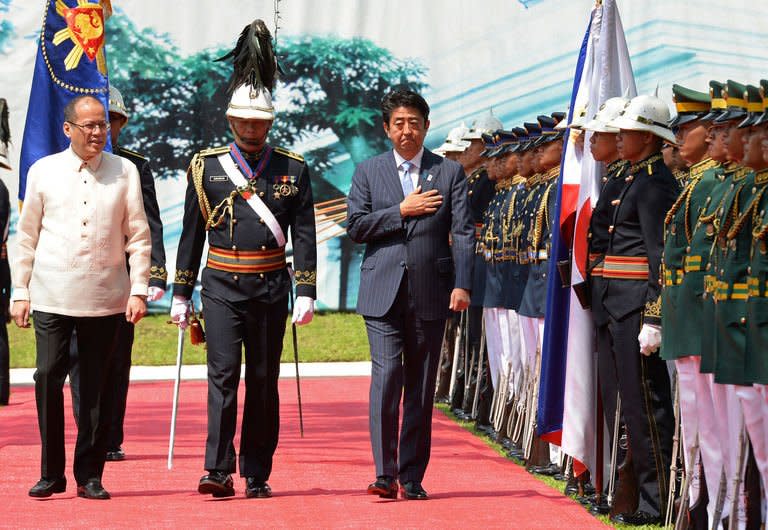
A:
[254,201]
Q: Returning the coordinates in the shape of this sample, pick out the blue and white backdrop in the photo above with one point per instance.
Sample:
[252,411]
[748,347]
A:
[514,58]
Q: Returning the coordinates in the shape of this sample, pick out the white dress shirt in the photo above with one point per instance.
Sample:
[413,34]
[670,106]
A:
[78,221]
[415,166]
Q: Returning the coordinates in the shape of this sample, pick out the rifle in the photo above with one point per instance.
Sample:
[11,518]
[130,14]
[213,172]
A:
[478,382]
[626,496]
[673,461]
[458,372]
[442,388]
[733,519]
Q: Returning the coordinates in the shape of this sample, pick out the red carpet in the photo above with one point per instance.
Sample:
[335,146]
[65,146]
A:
[319,481]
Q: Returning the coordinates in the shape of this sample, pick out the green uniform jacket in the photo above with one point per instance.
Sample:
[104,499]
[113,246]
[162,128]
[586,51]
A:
[684,261]
[757,283]
[734,241]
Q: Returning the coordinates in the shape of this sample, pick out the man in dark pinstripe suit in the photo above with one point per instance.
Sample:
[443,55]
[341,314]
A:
[409,206]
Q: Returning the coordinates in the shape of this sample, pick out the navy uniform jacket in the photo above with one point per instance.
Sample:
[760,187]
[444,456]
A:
[598,237]
[420,244]
[637,233]
[493,242]
[242,229]
[480,193]
[516,274]
[538,243]
[158,276]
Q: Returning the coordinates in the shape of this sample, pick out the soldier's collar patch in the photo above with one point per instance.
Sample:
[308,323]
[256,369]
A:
[218,178]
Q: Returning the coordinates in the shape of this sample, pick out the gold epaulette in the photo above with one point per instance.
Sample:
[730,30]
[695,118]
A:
[552,173]
[699,168]
[761,177]
[517,180]
[740,173]
[289,154]
[214,151]
[533,180]
[132,152]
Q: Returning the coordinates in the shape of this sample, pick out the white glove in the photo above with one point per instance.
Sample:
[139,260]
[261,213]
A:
[155,293]
[649,339]
[303,310]
[180,311]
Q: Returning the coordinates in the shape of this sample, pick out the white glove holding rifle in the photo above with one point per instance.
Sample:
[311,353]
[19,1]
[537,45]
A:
[649,339]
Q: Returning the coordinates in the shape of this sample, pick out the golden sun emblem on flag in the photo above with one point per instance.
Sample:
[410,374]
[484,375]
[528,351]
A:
[85,28]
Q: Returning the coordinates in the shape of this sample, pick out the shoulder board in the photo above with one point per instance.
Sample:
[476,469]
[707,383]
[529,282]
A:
[289,154]
[701,167]
[518,179]
[740,173]
[133,153]
[215,151]
[761,177]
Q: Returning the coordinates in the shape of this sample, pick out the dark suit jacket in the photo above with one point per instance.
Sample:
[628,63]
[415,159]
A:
[418,244]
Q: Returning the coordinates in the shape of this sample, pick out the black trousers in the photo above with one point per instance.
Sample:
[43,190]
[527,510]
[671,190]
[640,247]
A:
[96,339]
[405,351]
[119,377]
[5,365]
[258,328]
[646,404]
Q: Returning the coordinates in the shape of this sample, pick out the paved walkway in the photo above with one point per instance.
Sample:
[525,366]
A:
[23,376]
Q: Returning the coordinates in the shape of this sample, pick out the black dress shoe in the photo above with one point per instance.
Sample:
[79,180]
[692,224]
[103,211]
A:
[639,518]
[384,487]
[257,489]
[46,487]
[116,455]
[549,470]
[413,491]
[93,490]
[216,483]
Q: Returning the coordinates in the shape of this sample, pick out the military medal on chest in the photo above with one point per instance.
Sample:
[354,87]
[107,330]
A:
[285,186]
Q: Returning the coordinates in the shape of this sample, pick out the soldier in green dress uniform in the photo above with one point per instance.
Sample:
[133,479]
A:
[682,307]
[729,264]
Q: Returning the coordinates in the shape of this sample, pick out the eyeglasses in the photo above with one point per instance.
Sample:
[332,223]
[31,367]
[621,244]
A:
[90,128]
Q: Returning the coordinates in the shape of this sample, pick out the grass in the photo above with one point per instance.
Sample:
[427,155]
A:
[330,337]
[549,481]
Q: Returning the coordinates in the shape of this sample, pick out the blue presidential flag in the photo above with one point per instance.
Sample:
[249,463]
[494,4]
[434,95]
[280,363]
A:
[70,62]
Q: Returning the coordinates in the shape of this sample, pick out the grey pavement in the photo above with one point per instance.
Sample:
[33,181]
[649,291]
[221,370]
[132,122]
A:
[23,376]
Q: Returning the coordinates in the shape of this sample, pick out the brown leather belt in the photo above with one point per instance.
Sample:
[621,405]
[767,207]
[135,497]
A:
[246,261]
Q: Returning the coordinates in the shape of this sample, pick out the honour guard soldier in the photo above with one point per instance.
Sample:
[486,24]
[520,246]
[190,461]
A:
[729,266]
[684,265]
[757,303]
[243,198]
[5,271]
[480,192]
[453,149]
[631,297]
[121,362]
[734,270]
[725,404]
[603,147]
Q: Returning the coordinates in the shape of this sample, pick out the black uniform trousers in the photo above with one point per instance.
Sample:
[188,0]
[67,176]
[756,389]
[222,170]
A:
[119,377]
[258,328]
[96,341]
[5,364]
[405,351]
[646,405]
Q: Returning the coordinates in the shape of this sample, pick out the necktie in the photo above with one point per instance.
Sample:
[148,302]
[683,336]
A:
[406,182]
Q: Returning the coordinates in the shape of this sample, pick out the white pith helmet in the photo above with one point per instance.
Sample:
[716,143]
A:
[251,103]
[485,124]
[645,113]
[608,111]
[116,103]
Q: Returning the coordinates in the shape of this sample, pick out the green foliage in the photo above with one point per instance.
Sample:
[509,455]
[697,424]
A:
[331,86]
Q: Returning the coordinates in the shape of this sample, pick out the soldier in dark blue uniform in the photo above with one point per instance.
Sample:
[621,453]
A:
[243,198]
